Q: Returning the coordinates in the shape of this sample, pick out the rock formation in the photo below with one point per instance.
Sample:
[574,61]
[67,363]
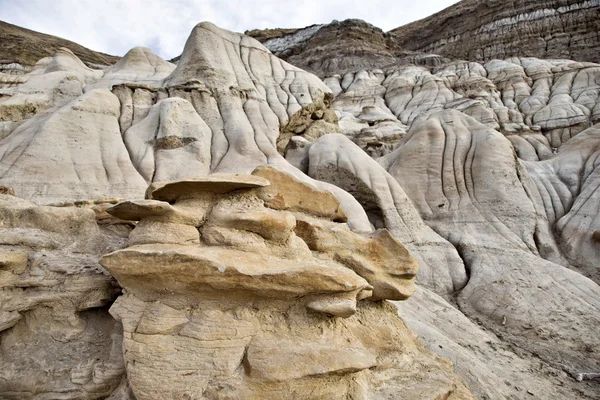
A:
[339,47]
[283,220]
[483,30]
[57,339]
[537,104]
[245,306]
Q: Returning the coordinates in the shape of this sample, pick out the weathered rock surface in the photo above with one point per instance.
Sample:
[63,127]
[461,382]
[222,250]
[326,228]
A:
[480,31]
[54,326]
[333,48]
[502,219]
[538,104]
[339,47]
[485,175]
[268,309]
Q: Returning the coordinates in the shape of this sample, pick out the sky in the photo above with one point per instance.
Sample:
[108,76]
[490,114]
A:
[115,26]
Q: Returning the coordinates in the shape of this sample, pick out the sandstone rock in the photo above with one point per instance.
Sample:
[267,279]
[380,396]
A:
[153,231]
[243,303]
[271,225]
[187,270]
[54,323]
[378,257]
[288,193]
[329,356]
[220,183]
[138,209]
[14,261]
[312,121]
[243,351]
[486,173]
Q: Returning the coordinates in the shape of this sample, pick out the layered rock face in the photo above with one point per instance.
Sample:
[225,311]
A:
[483,30]
[234,286]
[339,47]
[261,298]
[57,339]
[483,175]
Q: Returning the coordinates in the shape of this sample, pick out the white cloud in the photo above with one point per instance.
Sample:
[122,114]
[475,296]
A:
[115,26]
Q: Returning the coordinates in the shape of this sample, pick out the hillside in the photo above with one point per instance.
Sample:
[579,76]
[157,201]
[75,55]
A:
[477,30]
[26,47]
[337,47]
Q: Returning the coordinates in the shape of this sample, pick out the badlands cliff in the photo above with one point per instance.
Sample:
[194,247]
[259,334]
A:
[234,227]
[470,30]
[483,30]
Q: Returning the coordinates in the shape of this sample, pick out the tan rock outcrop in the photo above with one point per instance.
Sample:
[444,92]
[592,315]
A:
[54,326]
[270,303]
[291,194]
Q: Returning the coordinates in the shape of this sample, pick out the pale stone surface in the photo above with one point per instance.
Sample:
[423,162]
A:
[502,231]
[388,206]
[180,142]
[60,140]
[140,66]
[558,98]
[494,368]
[296,152]
[502,237]
[566,191]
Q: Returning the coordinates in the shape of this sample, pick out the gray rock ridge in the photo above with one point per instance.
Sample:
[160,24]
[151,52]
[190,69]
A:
[501,29]
[486,173]
[340,47]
